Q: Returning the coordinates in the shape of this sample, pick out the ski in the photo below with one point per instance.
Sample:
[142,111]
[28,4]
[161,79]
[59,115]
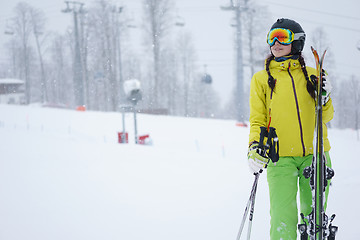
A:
[318,226]
[319,153]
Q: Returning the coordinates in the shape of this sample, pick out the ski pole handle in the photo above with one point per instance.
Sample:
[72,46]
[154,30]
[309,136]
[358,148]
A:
[273,145]
[263,134]
[270,137]
[262,148]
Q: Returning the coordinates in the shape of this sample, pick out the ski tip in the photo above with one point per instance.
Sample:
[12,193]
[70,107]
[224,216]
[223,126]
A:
[313,50]
[315,53]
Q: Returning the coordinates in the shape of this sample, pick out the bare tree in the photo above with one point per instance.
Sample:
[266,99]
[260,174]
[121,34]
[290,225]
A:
[169,88]
[22,28]
[12,48]
[61,86]
[205,102]
[319,40]
[157,23]
[106,30]
[84,53]
[186,53]
[101,57]
[355,90]
[346,103]
[254,21]
[38,27]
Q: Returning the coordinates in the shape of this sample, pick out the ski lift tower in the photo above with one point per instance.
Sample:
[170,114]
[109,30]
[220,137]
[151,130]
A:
[77,8]
[235,6]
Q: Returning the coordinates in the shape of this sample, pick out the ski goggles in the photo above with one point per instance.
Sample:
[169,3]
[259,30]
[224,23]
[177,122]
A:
[283,36]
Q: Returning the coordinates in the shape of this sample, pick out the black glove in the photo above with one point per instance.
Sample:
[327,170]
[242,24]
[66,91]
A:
[325,88]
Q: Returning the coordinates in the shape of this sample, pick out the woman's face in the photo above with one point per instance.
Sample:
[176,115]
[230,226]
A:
[279,50]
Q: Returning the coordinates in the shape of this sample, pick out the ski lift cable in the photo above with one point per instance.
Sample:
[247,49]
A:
[314,11]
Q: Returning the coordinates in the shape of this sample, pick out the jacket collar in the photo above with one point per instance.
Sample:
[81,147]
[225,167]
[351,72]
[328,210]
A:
[285,64]
[284,58]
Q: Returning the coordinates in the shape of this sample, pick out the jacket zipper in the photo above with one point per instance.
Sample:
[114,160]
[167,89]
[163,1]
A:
[271,94]
[298,112]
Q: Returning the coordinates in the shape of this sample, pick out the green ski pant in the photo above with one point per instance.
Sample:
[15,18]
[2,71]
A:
[284,179]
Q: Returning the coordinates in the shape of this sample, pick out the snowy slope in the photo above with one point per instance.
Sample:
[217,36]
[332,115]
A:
[64,176]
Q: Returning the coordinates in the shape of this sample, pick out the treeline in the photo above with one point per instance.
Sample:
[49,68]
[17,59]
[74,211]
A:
[89,63]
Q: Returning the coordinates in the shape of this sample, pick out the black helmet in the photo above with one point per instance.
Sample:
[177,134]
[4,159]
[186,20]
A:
[299,42]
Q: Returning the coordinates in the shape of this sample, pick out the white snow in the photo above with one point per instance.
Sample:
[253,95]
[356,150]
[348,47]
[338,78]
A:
[11,81]
[64,176]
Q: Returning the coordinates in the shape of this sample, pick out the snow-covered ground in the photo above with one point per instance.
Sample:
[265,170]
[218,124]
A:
[64,176]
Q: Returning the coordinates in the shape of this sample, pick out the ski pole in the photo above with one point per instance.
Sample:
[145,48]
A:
[272,145]
[251,212]
[250,202]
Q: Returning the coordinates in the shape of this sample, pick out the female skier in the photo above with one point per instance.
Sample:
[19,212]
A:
[283,96]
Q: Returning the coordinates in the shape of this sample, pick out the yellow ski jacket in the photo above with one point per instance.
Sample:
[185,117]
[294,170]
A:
[289,108]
